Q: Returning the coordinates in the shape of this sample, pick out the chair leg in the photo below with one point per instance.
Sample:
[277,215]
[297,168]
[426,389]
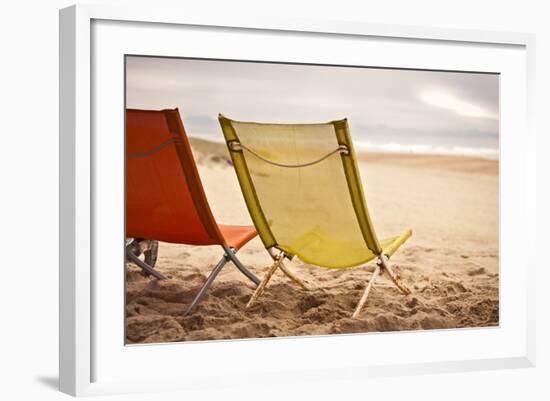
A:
[294,278]
[386,266]
[144,266]
[365,295]
[260,289]
[289,272]
[202,292]
[231,254]
[382,265]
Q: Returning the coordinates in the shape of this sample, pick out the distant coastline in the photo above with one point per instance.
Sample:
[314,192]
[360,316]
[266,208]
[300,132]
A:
[389,147]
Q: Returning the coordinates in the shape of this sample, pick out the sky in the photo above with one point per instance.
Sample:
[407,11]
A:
[403,110]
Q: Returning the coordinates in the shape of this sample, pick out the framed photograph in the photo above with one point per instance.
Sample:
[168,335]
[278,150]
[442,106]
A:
[284,199]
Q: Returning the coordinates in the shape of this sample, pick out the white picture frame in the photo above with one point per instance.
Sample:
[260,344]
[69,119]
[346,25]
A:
[88,361]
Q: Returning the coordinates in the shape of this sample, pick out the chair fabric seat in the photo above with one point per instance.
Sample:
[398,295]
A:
[237,236]
[317,250]
[165,199]
[303,191]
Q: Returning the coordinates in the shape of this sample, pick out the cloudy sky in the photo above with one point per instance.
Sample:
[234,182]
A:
[443,109]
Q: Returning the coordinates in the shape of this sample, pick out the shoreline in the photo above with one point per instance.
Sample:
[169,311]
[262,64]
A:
[214,150]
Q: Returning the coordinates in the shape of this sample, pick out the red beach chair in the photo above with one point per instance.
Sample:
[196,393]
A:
[165,200]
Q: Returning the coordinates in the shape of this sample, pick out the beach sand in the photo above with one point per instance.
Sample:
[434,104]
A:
[451,262]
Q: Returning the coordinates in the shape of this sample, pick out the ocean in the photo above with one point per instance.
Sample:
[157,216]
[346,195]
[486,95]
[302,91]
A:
[483,146]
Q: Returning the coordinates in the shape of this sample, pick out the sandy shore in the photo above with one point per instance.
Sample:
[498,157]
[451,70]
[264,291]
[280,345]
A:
[451,262]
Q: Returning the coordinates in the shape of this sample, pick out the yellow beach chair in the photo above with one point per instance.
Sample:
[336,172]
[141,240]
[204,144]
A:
[302,188]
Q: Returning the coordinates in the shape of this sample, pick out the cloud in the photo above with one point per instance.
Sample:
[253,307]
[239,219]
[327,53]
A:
[405,102]
[449,101]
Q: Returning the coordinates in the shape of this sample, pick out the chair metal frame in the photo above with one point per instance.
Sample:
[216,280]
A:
[230,255]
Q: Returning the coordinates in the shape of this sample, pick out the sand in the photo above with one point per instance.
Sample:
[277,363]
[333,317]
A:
[451,263]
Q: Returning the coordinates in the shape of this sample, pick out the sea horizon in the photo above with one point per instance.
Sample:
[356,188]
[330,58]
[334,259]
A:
[485,148]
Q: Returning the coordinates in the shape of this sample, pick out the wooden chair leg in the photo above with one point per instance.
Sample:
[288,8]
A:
[288,272]
[260,289]
[365,295]
[386,266]
[294,278]
[381,266]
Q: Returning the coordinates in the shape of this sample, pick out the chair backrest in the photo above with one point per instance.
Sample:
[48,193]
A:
[303,191]
[165,199]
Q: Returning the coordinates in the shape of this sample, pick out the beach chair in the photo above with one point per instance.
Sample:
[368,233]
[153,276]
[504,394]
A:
[149,249]
[165,200]
[303,191]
